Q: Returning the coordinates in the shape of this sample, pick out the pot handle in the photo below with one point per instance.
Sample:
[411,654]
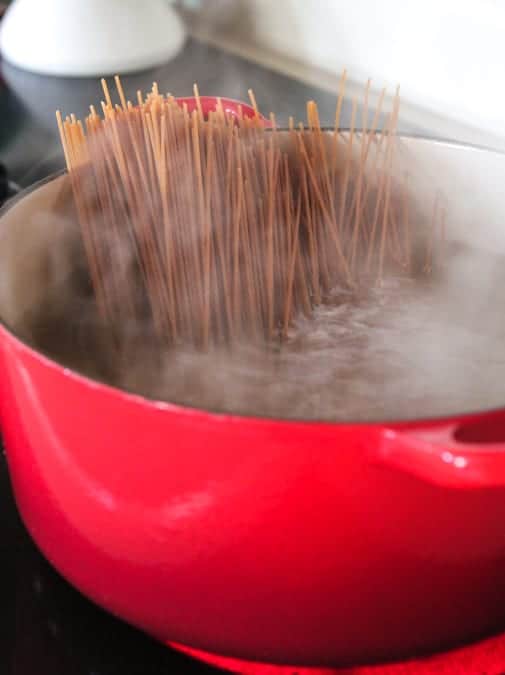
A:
[439,457]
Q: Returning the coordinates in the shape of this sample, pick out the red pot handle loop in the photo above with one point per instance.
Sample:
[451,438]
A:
[436,456]
[230,107]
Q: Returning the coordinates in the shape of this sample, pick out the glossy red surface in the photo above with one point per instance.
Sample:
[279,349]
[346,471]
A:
[284,542]
[281,542]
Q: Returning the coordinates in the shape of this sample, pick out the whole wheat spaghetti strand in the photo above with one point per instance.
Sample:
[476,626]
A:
[195,129]
[387,199]
[382,186]
[273,167]
[343,193]
[292,267]
[324,208]
[207,240]
[322,160]
[313,257]
[238,204]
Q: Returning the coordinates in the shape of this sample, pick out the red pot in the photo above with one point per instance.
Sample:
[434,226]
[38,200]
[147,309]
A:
[282,542]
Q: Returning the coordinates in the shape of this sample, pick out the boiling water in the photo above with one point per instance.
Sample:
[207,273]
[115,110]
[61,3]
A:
[394,354]
[400,349]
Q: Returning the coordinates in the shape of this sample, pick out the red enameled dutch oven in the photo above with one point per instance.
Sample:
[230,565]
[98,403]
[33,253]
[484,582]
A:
[279,542]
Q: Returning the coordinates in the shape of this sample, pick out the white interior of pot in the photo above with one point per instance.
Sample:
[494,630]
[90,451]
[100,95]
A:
[470,181]
[43,276]
[31,265]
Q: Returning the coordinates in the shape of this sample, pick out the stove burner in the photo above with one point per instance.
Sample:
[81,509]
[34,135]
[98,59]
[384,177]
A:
[7,187]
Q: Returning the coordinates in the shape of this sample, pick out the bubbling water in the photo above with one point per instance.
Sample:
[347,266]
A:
[403,349]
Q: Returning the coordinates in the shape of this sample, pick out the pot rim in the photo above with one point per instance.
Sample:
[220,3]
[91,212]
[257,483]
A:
[189,410]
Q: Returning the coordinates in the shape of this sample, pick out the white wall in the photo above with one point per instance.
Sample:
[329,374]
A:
[448,55]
